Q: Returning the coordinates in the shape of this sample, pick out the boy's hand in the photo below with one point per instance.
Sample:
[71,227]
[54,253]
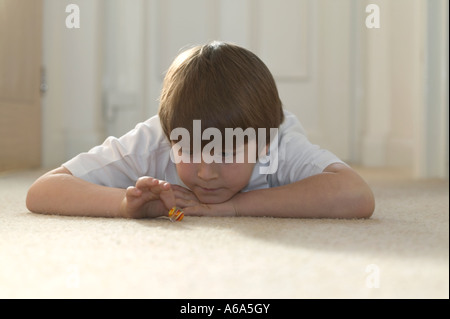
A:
[150,197]
[225,209]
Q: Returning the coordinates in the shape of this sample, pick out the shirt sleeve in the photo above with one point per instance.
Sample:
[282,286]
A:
[119,162]
[298,157]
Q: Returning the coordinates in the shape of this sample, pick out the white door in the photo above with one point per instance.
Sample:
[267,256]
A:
[306,45]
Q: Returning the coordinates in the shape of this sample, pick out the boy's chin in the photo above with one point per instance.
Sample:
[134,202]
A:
[211,199]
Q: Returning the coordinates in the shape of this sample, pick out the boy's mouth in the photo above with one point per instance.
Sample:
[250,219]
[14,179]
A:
[209,195]
[208,190]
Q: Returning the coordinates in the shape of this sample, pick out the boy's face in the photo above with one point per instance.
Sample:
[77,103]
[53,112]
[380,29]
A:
[216,182]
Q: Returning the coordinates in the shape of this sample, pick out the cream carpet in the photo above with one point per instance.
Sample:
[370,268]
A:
[401,252]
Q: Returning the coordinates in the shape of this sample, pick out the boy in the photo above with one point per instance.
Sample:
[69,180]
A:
[208,91]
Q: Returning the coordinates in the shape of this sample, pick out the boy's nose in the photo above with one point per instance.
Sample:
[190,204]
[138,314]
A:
[207,171]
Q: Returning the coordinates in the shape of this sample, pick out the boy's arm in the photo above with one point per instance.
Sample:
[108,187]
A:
[337,192]
[59,192]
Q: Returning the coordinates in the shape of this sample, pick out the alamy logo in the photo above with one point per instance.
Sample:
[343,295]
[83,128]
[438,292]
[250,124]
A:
[373,19]
[253,151]
[73,19]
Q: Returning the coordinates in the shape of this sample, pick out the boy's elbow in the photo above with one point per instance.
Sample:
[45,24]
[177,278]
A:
[31,200]
[355,195]
[364,204]
[43,190]
[356,201]
[37,195]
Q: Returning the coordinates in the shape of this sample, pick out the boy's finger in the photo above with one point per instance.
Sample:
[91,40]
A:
[164,185]
[133,191]
[159,187]
[151,184]
[146,182]
[168,198]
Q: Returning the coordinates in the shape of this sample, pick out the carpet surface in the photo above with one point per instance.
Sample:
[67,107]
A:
[401,252]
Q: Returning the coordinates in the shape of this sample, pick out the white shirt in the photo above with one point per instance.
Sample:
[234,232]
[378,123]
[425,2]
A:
[145,151]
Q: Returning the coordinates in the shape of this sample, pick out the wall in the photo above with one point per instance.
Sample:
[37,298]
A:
[304,43]
[404,100]
[72,120]
[362,93]
[123,78]
[393,76]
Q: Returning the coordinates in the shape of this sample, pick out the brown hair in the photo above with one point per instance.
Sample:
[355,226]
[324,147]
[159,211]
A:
[224,86]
